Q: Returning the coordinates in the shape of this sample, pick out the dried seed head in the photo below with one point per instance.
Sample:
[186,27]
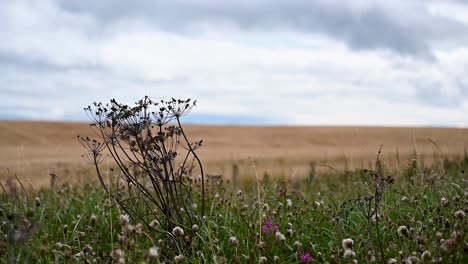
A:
[233,241]
[297,246]
[116,254]
[153,253]
[177,231]
[460,214]
[349,254]
[449,245]
[37,200]
[279,237]
[93,220]
[124,219]
[262,260]
[403,231]
[412,260]
[179,258]
[347,243]
[444,202]
[426,256]
[195,228]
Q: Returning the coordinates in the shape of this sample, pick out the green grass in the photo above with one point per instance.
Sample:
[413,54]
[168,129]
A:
[80,224]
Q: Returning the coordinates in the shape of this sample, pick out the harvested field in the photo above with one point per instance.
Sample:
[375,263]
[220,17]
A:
[33,150]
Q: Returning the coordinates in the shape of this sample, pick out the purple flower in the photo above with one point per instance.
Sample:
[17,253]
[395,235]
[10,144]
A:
[268,227]
[305,258]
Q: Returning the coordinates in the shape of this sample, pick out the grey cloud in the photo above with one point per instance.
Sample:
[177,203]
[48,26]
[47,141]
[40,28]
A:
[10,59]
[405,29]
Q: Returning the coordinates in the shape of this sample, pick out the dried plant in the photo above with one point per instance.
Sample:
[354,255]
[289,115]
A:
[153,157]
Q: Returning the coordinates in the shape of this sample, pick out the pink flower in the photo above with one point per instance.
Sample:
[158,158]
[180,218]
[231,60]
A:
[268,227]
[305,258]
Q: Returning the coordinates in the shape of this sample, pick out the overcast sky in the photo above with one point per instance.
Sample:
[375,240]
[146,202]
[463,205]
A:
[304,62]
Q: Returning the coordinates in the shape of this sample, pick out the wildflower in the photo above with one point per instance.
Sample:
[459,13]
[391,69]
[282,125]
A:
[412,260]
[37,201]
[261,245]
[154,223]
[239,193]
[318,203]
[122,239]
[347,243]
[403,231]
[370,256]
[262,260]
[289,203]
[116,254]
[349,254]
[297,246]
[233,241]
[195,228]
[124,219]
[93,220]
[444,202]
[153,253]
[449,245]
[305,258]
[392,261]
[161,242]
[179,258]
[279,237]
[426,256]
[268,227]
[177,231]
[275,258]
[459,214]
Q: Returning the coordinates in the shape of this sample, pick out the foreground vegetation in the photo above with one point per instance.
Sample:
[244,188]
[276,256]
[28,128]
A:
[415,216]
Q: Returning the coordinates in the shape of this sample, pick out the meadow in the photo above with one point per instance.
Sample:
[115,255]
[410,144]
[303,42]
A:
[305,195]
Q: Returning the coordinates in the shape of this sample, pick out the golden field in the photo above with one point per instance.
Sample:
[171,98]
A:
[33,150]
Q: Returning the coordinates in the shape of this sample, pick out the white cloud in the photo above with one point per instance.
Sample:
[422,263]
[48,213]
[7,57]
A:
[58,61]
